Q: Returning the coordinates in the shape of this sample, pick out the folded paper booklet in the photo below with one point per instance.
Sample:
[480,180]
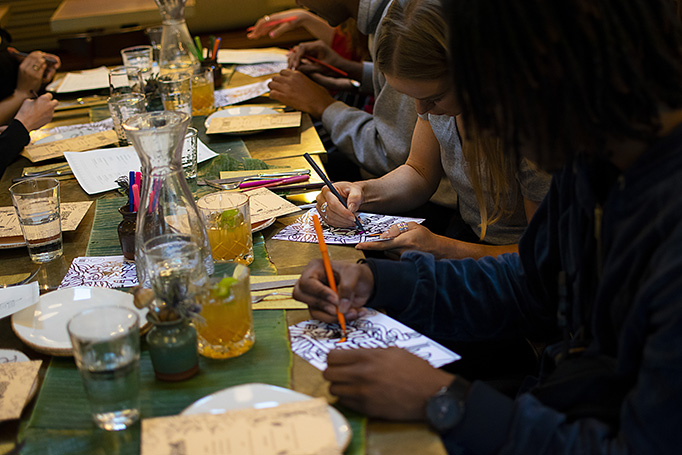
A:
[16,381]
[71,214]
[299,428]
[264,204]
[254,122]
[56,149]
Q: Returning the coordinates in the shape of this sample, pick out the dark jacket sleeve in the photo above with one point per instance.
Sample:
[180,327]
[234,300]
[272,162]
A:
[12,142]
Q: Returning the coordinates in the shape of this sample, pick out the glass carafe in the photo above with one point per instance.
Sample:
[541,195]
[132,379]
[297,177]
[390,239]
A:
[166,202]
[178,52]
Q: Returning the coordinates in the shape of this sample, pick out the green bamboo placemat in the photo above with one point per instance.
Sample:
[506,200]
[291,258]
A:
[61,422]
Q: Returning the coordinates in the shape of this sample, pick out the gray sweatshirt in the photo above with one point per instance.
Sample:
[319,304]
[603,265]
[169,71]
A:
[377,142]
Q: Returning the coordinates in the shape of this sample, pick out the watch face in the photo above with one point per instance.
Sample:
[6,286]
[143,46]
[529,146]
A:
[444,411]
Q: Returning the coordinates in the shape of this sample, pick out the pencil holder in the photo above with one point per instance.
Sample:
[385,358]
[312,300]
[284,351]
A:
[126,232]
[217,72]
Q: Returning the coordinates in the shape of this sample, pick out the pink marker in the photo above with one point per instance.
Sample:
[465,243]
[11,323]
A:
[136,196]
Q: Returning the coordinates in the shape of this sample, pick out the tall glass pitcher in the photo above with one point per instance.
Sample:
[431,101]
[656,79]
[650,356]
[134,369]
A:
[178,52]
[166,203]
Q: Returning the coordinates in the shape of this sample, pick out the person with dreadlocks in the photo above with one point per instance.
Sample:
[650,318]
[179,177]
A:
[588,89]
[494,196]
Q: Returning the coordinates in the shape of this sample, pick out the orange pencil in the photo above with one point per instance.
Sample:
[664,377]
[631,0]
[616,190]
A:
[328,269]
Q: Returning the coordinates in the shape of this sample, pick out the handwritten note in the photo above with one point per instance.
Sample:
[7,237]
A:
[84,80]
[16,381]
[16,298]
[42,152]
[254,122]
[312,340]
[97,170]
[299,428]
[252,56]
[302,229]
[103,271]
[71,214]
[228,96]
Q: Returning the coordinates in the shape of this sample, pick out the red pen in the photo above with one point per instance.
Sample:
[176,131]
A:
[326,65]
[275,22]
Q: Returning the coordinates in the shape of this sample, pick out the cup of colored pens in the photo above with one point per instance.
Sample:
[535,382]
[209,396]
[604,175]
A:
[127,227]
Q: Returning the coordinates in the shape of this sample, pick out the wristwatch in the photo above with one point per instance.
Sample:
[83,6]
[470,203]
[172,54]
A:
[445,409]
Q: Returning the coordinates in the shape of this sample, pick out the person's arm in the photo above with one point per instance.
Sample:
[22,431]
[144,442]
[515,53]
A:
[12,141]
[404,188]
[296,18]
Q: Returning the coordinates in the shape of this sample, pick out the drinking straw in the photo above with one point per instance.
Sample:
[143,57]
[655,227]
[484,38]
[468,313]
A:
[329,184]
[329,271]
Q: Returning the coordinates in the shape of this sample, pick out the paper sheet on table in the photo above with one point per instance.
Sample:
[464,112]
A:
[261,69]
[252,56]
[312,340]
[55,149]
[298,428]
[302,230]
[16,381]
[259,122]
[282,300]
[102,271]
[264,204]
[79,129]
[97,170]
[228,96]
[71,214]
[16,298]
[83,80]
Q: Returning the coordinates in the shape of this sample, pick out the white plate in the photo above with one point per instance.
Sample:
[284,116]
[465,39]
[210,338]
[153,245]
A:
[240,111]
[259,226]
[259,396]
[43,326]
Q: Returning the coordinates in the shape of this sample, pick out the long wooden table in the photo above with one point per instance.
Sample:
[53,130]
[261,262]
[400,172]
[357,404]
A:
[288,257]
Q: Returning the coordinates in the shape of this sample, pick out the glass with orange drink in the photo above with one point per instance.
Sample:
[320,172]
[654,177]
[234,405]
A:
[225,325]
[203,99]
[228,225]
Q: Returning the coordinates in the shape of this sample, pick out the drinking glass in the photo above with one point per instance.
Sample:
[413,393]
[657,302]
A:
[225,325]
[106,347]
[176,92]
[228,224]
[125,79]
[138,56]
[202,92]
[189,154]
[36,202]
[123,106]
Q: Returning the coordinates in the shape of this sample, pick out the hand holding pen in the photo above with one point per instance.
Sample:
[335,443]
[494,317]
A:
[331,209]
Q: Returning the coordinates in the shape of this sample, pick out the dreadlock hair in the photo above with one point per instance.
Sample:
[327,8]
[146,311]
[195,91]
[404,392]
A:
[564,76]
[413,45]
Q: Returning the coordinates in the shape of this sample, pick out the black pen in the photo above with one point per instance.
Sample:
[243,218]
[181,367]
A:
[329,184]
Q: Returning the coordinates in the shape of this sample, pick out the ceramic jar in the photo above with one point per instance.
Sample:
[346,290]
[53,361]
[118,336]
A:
[173,349]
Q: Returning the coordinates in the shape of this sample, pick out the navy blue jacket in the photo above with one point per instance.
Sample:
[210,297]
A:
[617,239]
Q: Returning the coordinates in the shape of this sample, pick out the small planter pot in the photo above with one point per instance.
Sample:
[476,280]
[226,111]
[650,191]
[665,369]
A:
[173,350]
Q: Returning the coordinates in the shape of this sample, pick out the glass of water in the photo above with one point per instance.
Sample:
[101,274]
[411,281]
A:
[106,347]
[189,154]
[36,202]
[176,92]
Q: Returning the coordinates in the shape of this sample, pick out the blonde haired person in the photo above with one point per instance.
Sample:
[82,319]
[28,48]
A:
[496,196]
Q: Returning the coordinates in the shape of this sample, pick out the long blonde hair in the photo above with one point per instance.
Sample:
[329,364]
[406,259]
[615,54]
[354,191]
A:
[413,46]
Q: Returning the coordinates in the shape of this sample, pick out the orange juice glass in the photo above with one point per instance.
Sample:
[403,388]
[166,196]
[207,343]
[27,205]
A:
[202,92]
[228,224]
[225,325]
